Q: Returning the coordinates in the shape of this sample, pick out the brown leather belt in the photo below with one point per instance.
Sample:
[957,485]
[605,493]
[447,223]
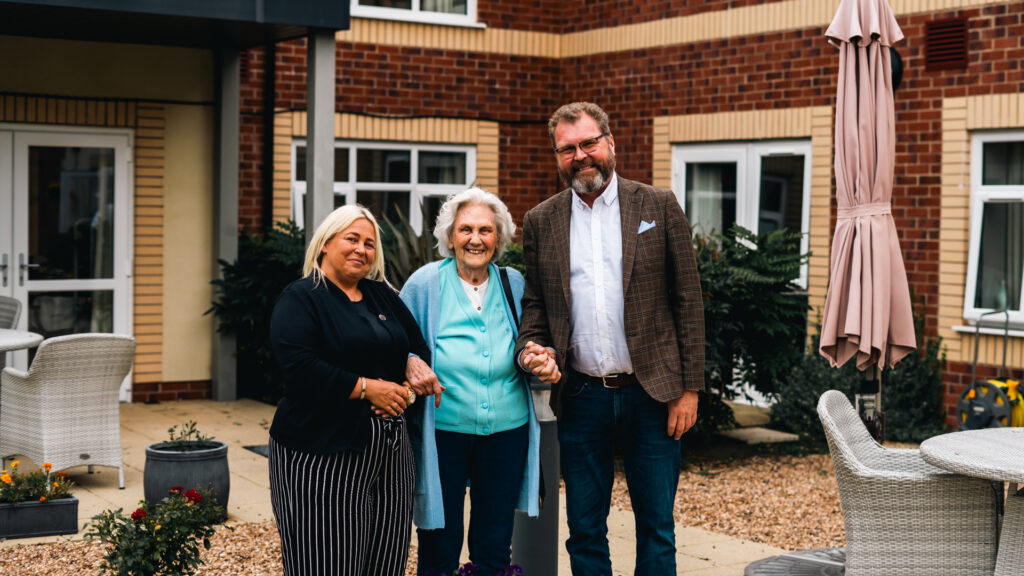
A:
[612,381]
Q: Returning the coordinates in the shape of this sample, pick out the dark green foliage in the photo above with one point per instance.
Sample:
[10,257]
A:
[513,258]
[245,298]
[912,391]
[754,312]
[796,406]
[405,250]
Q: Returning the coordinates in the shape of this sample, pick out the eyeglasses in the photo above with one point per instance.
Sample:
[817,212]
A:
[587,146]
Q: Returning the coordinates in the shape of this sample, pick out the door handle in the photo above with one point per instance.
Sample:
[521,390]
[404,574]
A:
[3,269]
[22,267]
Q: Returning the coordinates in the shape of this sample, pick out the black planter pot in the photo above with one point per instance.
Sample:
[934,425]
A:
[28,519]
[206,466]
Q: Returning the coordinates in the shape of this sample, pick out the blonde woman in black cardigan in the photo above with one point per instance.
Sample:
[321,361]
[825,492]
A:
[341,476]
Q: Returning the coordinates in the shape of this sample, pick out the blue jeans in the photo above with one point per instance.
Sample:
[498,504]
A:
[494,466]
[594,420]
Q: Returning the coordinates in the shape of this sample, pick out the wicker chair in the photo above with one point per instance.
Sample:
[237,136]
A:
[64,410]
[10,311]
[902,515]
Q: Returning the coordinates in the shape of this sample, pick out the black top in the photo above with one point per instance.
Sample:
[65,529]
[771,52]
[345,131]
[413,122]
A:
[323,342]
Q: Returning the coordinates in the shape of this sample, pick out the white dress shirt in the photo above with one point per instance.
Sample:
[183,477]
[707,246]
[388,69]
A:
[598,345]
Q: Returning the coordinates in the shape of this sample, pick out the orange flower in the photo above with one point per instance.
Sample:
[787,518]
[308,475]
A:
[61,474]
[42,498]
[47,466]
[56,484]
[5,479]
[15,463]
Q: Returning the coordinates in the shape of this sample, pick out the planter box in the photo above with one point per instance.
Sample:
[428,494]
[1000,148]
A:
[28,519]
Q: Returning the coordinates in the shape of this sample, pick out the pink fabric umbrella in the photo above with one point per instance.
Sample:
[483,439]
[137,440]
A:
[867,313]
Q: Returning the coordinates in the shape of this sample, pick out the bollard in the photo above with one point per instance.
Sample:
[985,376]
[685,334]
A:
[535,540]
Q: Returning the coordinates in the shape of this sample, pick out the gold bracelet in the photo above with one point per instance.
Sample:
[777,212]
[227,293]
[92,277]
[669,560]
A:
[362,392]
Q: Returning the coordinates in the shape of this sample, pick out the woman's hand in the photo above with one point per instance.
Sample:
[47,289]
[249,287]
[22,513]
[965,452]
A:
[387,398]
[422,379]
[541,362]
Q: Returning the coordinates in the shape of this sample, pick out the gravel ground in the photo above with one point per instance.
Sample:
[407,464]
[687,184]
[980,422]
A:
[786,501]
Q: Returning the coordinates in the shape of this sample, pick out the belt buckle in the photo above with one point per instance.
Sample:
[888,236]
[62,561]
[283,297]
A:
[604,382]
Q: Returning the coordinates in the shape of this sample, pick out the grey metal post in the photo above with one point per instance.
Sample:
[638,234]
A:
[225,213]
[319,129]
[535,540]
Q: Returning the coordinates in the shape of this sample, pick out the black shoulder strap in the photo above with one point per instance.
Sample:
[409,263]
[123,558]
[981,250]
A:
[507,287]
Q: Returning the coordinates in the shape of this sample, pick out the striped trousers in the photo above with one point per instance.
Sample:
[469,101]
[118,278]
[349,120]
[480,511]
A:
[345,514]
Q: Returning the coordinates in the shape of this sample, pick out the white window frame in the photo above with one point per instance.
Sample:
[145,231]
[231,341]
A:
[747,157]
[417,192]
[415,14]
[980,195]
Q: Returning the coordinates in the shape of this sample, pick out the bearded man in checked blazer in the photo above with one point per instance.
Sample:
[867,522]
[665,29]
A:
[612,316]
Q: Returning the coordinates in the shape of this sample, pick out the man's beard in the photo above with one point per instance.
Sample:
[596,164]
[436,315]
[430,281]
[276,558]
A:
[588,183]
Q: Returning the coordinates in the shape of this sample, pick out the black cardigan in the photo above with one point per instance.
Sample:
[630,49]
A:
[323,343]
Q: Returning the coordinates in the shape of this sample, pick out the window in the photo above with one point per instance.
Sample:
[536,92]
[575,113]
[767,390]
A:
[391,178]
[450,12]
[995,265]
[762,186]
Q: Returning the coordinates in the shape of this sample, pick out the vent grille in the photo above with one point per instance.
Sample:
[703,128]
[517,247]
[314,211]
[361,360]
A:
[946,44]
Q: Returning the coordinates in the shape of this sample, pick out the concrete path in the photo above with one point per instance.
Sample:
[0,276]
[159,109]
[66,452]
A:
[246,422]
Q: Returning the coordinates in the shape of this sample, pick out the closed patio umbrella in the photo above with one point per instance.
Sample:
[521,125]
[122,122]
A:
[868,314]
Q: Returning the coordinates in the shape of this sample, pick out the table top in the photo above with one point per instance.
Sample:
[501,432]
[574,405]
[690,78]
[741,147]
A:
[992,453]
[18,339]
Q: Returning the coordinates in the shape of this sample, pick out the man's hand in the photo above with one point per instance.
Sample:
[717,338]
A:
[541,362]
[682,413]
[422,379]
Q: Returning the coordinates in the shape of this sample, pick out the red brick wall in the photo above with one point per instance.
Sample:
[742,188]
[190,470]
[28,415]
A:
[168,391]
[789,69]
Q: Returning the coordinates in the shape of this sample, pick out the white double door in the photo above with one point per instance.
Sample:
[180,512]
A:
[65,245]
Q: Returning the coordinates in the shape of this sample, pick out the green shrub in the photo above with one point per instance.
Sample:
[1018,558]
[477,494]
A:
[245,298]
[405,251]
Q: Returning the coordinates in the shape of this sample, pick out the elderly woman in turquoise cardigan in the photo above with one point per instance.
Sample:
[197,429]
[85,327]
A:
[481,429]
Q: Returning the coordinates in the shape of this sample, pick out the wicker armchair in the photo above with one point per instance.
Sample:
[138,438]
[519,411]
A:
[902,515]
[64,410]
[10,311]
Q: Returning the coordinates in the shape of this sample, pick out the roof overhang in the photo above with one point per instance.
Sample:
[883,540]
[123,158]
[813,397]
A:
[192,23]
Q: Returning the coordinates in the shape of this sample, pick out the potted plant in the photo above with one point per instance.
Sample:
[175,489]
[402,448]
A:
[190,459]
[36,504]
[157,539]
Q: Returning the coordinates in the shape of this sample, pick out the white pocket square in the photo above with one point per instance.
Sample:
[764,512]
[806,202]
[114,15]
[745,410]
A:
[645,226]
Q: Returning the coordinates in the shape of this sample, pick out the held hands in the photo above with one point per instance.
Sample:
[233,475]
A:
[682,413]
[387,398]
[422,380]
[541,362]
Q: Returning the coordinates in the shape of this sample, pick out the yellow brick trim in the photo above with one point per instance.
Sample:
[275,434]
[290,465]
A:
[66,111]
[960,117]
[718,25]
[148,226]
[809,122]
[289,124]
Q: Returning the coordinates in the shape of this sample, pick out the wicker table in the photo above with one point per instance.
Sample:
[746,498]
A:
[16,340]
[994,454]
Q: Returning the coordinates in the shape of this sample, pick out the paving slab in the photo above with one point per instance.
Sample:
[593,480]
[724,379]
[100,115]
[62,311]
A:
[758,435]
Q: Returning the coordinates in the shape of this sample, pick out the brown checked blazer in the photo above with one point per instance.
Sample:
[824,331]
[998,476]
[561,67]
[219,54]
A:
[664,314]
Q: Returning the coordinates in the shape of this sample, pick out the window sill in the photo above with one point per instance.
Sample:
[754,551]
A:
[988,330]
[414,18]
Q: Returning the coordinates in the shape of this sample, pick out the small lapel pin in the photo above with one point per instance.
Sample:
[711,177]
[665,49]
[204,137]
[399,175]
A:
[382,317]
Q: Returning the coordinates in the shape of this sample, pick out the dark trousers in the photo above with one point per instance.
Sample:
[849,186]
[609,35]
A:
[345,514]
[494,467]
[593,420]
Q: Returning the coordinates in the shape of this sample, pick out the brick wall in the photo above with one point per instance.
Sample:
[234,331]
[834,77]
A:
[169,391]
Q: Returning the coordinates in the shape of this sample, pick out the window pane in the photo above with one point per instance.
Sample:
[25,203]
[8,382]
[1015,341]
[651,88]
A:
[404,4]
[444,6]
[71,212]
[382,165]
[1002,256]
[442,168]
[711,196]
[1003,163]
[782,184]
[61,313]
[431,207]
[340,164]
[385,203]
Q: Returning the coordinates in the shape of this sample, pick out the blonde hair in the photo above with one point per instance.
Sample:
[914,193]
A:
[506,227]
[337,222]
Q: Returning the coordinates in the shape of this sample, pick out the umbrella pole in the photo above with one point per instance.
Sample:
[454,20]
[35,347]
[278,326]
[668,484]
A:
[869,403]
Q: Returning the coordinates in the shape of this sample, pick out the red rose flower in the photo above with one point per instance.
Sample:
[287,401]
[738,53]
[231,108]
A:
[193,496]
[138,515]
[175,490]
